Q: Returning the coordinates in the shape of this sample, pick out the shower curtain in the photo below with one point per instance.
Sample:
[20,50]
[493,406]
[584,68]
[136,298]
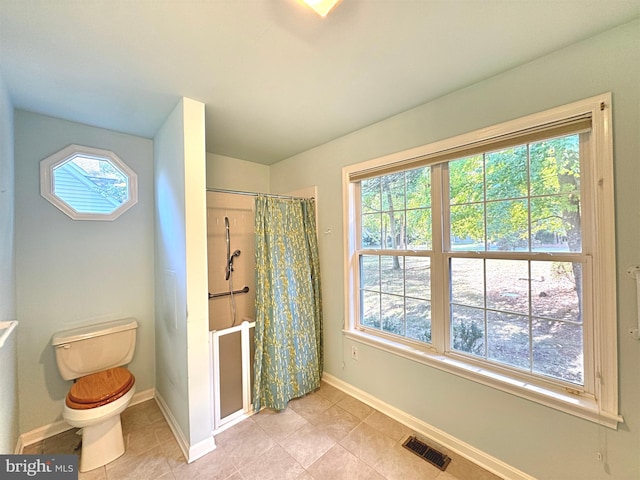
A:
[288,356]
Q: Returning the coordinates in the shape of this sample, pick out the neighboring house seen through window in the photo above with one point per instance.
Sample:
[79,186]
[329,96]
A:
[88,183]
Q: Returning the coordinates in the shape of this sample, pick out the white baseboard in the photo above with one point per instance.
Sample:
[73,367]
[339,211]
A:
[143,396]
[173,425]
[201,448]
[38,434]
[190,452]
[450,442]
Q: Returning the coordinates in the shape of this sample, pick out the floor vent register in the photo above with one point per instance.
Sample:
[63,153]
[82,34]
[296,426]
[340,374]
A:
[424,451]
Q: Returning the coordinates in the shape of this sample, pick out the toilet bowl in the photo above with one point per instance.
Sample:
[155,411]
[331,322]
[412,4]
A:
[94,357]
[102,439]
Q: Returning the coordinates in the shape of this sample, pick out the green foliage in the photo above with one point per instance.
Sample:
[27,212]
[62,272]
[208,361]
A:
[396,209]
[517,196]
[523,191]
[466,180]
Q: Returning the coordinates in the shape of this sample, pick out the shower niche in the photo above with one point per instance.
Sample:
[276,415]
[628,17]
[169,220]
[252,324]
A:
[231,275]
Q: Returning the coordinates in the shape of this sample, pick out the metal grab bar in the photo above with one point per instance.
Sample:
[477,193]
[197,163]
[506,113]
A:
[224,294]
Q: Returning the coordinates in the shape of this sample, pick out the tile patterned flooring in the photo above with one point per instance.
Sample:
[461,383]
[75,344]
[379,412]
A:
[324,435]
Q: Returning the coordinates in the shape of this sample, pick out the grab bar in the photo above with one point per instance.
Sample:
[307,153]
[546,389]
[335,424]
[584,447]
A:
[224,294]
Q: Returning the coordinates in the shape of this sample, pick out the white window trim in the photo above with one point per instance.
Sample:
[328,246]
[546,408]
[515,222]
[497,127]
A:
[47,189]
[600,408]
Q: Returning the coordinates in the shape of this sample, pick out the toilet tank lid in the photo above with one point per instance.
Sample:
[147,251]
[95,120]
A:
[94,330]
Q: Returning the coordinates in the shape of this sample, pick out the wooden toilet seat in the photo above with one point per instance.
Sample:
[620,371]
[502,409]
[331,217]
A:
[100,388]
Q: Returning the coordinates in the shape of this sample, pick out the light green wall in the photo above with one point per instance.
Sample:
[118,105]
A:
[535,439]
[8,354]
[76,272]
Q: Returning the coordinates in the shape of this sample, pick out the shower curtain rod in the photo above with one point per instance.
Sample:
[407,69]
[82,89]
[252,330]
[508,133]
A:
[254,194]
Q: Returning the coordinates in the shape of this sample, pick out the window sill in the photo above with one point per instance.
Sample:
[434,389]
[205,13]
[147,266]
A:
[578,406]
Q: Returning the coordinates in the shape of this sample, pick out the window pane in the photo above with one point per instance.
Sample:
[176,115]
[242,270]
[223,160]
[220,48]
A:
[557,350]
[386,280]
[507,225]
[417,277]
[90,185]
[418,187]
[392,308]
[549,227]
[419,229]
[508,285]
[467,329]
[467,281]
[370,309]
[555,166]
[392,191]
[371,230]
[370,195]
[556,290]
[506,173]
[557,339]
[393,230]
[467,227]
[392,274]
[370,272]
[547,172]
[418,319]
[555,178]
[466,180]
[508,339]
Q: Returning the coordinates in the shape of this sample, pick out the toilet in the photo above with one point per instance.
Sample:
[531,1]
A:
[94,356]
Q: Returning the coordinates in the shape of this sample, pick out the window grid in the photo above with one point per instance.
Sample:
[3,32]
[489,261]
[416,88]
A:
[447,252]
[404,296]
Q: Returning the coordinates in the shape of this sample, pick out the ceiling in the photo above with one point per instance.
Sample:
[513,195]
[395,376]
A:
[275,78]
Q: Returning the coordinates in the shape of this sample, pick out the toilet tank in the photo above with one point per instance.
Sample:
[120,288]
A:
[89,349]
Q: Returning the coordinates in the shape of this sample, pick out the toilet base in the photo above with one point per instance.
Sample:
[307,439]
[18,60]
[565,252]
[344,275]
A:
[101,443]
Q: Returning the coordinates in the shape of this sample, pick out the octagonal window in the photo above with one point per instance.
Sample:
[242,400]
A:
[88,183]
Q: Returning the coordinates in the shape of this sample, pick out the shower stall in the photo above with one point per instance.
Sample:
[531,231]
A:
[231,265]
[231,243]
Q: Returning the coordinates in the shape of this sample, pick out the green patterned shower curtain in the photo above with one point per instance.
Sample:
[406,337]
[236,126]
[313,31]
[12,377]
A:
[288,334]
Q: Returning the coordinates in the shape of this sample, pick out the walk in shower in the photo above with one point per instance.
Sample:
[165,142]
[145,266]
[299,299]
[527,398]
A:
[289,310]
[231,272]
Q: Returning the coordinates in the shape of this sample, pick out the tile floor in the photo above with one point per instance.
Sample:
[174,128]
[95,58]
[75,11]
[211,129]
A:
[324,435]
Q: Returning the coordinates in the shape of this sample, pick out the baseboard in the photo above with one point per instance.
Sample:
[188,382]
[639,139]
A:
[19,447]
[201,448]
[450,442]
[143,396]
[38,434]
[190,452]
[173,425]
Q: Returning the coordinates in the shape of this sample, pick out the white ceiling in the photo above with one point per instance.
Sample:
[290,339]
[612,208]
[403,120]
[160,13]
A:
[275,78]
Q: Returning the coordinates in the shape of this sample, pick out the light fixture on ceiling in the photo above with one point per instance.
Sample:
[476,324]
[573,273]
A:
[322,7]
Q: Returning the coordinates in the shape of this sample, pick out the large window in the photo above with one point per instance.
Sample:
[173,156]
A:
[491,255]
